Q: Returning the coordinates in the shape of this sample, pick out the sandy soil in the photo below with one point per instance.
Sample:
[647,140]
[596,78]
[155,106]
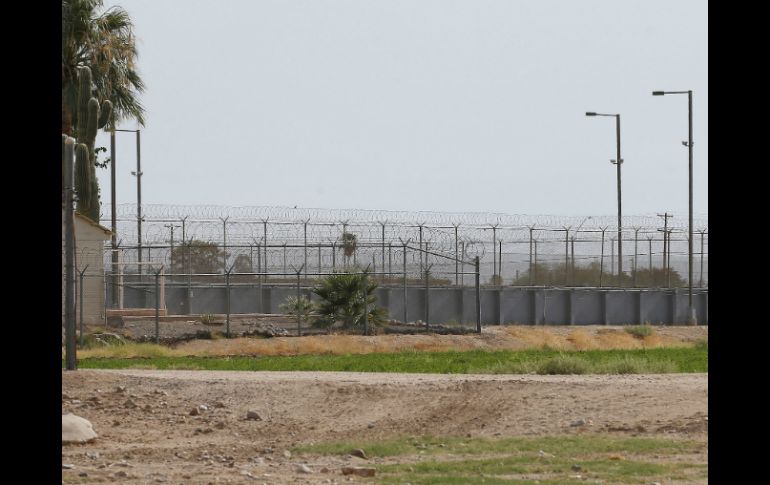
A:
[147,434]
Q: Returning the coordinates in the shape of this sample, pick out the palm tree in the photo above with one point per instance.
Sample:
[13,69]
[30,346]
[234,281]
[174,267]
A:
[342,301]
[105,43]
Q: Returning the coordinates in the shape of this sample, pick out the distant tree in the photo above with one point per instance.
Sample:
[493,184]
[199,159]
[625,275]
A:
[197,257]
[588,275]
[349,243]
[242,264]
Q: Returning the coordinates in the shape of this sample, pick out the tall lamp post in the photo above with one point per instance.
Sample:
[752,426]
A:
[138,174]
[688,144]
[617,162]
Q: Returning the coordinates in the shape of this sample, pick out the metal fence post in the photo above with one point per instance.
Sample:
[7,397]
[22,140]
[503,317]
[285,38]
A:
[668,260]
[531,268]
[652,280]
[227,299]
[383,246]
[80,295]
[700,279]
[304,265]
[157,305]
[478,295]
[601,260]
[189,277]
[224,243]
[299,303]
[612,256]
[457,269]
[366,309]
[104,307]
[500,263]
[260,278]
[572,259]
[636,241]
[405,301]
[494,252]
[566,256]
[427,298]
[264,235]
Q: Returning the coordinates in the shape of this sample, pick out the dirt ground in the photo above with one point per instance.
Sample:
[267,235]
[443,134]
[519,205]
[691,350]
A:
[147,434]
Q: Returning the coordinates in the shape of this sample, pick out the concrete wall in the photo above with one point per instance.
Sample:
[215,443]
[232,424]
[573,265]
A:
[534,306]
[89,243]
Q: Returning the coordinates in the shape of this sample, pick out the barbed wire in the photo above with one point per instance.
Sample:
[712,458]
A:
[277,214]
[503,242]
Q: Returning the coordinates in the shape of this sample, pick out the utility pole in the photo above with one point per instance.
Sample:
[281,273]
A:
[69,254]
[668,260]
[114,211]
[700,280]
[138,174]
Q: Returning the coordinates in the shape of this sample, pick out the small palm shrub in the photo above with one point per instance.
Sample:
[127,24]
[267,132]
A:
[343,299]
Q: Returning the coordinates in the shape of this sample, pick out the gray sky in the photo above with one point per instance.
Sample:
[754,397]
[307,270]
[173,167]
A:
[418,105]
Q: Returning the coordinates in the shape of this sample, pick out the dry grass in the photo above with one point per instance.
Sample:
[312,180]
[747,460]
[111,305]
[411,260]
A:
[512,337]
[538,338]
[581,340]
[324,344]
[129,350]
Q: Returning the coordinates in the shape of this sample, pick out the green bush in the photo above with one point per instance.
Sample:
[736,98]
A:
[343,299]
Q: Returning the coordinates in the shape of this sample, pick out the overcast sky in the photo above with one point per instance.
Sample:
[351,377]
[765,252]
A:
[424,105]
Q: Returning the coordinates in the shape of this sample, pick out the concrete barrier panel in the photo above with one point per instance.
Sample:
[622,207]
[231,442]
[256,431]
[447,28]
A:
[515,306]
[621,308]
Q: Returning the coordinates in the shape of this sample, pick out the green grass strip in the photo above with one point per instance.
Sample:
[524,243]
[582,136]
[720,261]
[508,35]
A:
[586,444]
[449,460]
[657,360]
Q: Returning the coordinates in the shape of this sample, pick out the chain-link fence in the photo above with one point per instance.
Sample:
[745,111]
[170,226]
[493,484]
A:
[432,269]
[513,250]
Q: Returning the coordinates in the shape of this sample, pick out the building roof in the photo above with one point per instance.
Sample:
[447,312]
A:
[91,222]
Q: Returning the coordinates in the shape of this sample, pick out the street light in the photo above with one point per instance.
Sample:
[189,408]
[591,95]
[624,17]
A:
[688,144]
[617,162]
[138,175]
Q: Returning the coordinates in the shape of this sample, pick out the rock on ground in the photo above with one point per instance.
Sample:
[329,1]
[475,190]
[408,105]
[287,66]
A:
[75,429]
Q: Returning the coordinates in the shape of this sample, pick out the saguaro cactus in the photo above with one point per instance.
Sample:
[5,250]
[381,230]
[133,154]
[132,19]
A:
[83,185]
[89,119]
